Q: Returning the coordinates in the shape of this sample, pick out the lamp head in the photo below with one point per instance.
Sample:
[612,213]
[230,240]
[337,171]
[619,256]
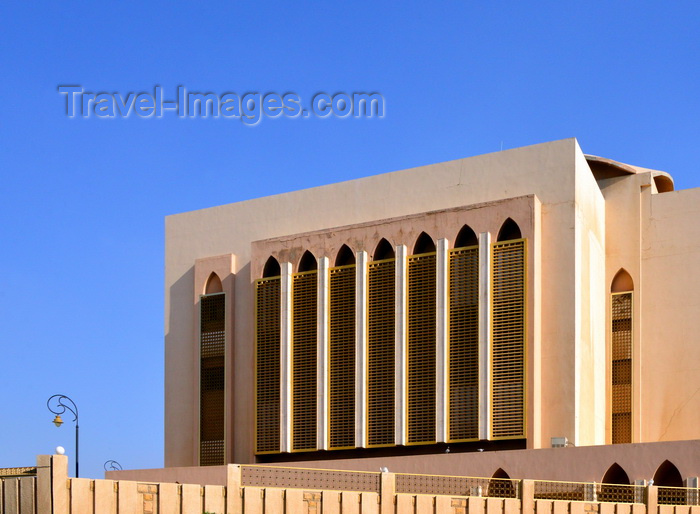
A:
[57,421]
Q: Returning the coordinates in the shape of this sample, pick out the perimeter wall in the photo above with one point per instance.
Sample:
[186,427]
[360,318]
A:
[269,489]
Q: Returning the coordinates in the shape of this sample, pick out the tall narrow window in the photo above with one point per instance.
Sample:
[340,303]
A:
[463,349]
[212,344]
[508,334]
[421,341]
[621,353]
[267,359]
[381,346]
[342,351]
[304,354]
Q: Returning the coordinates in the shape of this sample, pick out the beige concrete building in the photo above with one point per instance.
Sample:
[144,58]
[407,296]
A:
[488,307]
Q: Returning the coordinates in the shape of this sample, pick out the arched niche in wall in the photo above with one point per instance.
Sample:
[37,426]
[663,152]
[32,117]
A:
[509,231]
[213,284]
[272,268]
[384,250]
[466,237]
[622,282]
[345,256]
[307,262]
[667,475]
[616,475]
[424,244]
[500,485]
[614,486]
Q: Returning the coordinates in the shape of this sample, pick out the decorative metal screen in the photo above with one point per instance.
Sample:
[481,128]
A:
[508,340]
[463,351]
[421,348]
[212,343]
[267,365]
[309,478]
[342,357]
[304,328]
[621,368]
[456,485]
[381,331]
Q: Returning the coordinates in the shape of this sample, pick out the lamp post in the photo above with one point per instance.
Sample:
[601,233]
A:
[59,408]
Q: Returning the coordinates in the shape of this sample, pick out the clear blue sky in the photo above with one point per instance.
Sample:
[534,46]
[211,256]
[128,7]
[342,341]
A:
[82,201]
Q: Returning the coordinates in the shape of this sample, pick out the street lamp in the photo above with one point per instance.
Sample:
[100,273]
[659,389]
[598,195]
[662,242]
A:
[59,408]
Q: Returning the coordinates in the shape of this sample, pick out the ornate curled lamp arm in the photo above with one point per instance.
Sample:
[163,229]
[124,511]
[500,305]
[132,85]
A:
[62,404]
[62,407]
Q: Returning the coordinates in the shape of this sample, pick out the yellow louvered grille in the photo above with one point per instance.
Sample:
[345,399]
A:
[380,352]
[342,357]
[508,340]
[463,351]
[212,344]
[621,368]
[267,365]
[421,348]
[304,310]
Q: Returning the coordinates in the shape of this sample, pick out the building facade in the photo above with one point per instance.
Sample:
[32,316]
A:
[508,301]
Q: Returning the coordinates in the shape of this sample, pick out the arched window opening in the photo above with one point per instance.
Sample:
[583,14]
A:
[614,486]
[304,353]
[463,338]
[267,358]
[272,268]
[307,262]
[212,344]
[383,251]
[667,477]
[424,244]
[622,282]
[508,331]
[501,486]
[421,399]
[509,231]
[341,358]
[621,353]
[345,256]
[466,237]
[213,284]
[381,319]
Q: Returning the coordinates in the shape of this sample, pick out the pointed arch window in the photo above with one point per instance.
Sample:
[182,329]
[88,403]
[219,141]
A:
[342,351]
[622,291]
[212,345]
[381,319]
[267,358]
[304,354]
[508,272]
[463,333]
[421,351]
